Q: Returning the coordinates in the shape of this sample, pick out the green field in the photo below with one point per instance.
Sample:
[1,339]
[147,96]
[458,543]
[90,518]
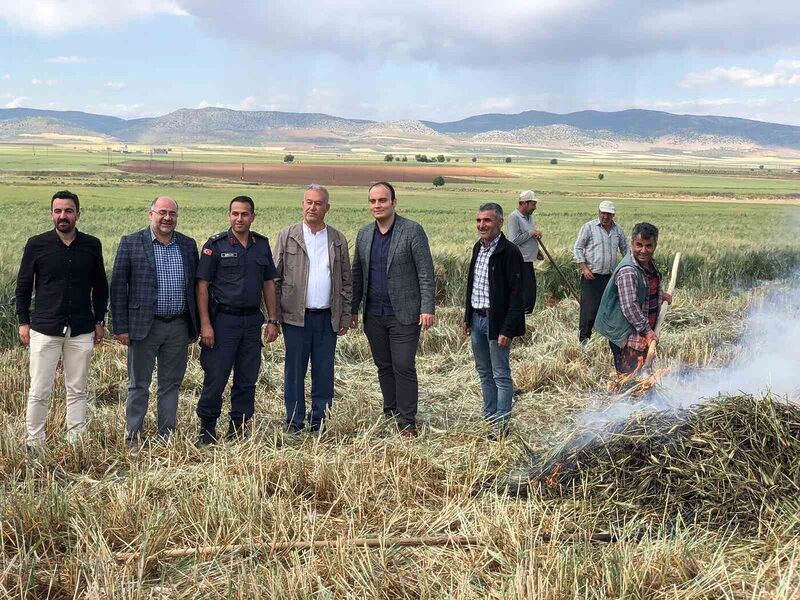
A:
[67,512]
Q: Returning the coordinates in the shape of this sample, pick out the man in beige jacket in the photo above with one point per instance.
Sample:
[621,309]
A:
[314,288]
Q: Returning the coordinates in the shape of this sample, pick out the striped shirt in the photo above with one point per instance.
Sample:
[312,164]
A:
[598,248]
[169,273]
[642,318]
[480,283]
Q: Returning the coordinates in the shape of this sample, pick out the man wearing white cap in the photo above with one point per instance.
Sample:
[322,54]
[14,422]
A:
[596,256]
[522,232]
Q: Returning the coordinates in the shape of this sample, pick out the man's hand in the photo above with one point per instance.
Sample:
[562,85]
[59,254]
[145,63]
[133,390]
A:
[25,334]
[537,234]
[539,255]
[503,341]
[427,320]
[464,331]
[99,333]
[272,332]
[207,336]
[354,322]
[587,274]
[651,336]
[342,330]
[666,297]
[123,339]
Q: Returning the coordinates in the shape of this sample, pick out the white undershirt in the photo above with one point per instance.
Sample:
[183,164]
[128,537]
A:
[318,294]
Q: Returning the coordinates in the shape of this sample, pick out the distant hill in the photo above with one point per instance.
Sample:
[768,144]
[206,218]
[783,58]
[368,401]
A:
[642,129]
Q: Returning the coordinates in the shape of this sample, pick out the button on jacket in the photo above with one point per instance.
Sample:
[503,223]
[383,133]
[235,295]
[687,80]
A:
[236,274]
[292,263]
[69,282]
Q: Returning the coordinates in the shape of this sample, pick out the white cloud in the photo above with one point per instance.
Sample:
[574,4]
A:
[7,76]
[47,17]
[511,31]
[115,85]
[784,73]
[66,60]
[17,102]
[47,82]
[118,110]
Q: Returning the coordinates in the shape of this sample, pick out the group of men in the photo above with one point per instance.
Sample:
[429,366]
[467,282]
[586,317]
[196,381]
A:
[164,295]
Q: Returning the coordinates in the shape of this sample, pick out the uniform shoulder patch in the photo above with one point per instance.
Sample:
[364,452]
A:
[207,251]
[217,236]
[258,235]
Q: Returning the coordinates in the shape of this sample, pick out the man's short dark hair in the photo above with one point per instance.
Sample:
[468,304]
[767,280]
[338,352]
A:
[646,231]
[66,195]
[385,184]
[244,200]
[493,206]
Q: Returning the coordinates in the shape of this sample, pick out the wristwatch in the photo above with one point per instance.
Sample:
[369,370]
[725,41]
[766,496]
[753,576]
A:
[273,322]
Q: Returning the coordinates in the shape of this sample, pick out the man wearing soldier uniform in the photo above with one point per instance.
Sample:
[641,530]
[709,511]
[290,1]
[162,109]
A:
[236,270]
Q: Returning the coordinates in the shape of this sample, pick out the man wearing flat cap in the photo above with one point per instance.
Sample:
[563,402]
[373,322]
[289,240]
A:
[523,233]
[596,256]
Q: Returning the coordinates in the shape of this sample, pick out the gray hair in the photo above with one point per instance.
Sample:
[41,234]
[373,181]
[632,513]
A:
[493,206]
[153,203]
[320,188]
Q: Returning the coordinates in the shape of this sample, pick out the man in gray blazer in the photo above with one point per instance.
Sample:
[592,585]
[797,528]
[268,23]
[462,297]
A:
[393,277]
[154,314]
[522,232]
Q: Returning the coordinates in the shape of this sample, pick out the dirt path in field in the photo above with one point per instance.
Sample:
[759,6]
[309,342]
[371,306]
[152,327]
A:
[308,173]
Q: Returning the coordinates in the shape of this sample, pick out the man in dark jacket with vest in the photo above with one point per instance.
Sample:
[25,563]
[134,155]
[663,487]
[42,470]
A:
[494,313]
[629,308]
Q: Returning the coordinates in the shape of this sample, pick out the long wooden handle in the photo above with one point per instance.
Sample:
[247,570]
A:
[451,540]
[651,350]
[552,262]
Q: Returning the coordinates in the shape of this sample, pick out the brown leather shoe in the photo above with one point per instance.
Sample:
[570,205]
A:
[409,433]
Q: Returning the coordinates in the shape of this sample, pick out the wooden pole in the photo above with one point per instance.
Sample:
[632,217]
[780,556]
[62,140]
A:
[651,350]
[453,540]
[552,262]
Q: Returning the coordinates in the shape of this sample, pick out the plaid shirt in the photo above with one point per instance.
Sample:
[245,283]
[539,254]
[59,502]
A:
[642,318]
[169,273]
[480,286]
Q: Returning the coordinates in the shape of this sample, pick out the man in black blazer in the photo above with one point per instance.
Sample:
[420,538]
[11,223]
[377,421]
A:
[154,314]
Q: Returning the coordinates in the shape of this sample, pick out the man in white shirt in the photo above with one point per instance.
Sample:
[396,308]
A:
[314,291]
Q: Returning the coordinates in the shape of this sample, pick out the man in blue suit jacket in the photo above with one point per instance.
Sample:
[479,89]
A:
[154,314]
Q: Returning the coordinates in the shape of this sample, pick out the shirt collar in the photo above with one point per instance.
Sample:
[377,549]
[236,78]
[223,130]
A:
[491,246]
[307,229]
[234,241]
[153,237]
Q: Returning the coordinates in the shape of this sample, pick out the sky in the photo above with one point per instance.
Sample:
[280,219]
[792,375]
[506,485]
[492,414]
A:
[438,60]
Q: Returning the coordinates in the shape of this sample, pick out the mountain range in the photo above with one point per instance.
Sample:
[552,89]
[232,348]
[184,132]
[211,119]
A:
[627,129]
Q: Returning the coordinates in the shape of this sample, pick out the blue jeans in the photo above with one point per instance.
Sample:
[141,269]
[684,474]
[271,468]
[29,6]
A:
[494,371]
[315,340]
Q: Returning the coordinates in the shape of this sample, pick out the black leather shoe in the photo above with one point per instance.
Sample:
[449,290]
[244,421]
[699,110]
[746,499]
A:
[207,438]
[293,429]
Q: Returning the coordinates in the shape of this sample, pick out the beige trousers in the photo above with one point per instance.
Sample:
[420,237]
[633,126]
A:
[45,352]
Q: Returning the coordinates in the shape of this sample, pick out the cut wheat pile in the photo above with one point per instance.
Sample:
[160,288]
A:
[727,462]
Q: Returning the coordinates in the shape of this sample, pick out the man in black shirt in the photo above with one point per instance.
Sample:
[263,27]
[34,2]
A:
[64,267]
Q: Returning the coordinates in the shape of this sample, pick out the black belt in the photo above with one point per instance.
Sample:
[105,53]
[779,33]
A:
[169,318]
[481,312]
[315,311]
[239,312]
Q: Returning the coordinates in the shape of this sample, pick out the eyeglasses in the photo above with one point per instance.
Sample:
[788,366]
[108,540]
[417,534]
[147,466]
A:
[164,213]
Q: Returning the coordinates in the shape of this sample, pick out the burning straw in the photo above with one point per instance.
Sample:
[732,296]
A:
[727,462]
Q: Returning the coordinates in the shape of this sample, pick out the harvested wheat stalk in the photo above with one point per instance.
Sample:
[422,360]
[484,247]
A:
[452,540]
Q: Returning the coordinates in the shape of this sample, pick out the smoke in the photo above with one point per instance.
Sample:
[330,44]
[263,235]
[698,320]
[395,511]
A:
[768,361]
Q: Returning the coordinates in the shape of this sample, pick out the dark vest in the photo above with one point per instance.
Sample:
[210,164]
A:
[610,322]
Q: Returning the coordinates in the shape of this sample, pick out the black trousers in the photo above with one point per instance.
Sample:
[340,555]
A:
[394,350]
[528,286]
[591,293]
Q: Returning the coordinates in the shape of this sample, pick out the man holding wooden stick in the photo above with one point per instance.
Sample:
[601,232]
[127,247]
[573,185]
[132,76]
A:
[629,308]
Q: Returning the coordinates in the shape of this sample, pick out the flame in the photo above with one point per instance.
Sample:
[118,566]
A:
[550,480]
